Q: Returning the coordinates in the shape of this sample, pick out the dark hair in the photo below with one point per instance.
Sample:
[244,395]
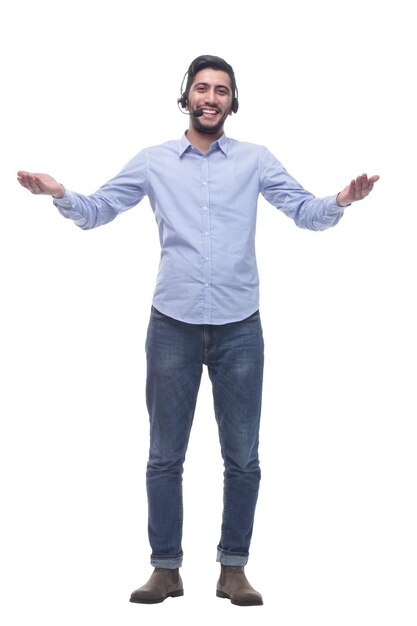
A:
[200,63]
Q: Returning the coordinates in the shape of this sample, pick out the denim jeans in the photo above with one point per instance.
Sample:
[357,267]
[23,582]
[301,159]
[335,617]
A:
[176,353]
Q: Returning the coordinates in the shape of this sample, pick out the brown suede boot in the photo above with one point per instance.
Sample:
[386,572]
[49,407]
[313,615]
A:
[234,585]
[162,584]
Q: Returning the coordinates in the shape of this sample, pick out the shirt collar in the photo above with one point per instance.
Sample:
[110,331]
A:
[184,144]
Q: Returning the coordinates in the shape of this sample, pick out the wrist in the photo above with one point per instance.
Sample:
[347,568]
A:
[59,194]
[340,202]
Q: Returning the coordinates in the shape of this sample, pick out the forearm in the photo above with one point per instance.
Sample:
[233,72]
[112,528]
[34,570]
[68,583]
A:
[85,211]
[119,194]
[284,192]
[315,213]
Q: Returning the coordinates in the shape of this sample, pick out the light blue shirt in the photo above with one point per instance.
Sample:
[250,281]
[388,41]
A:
[205,206]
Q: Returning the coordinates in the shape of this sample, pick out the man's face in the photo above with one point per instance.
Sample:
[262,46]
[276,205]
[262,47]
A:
[210,91]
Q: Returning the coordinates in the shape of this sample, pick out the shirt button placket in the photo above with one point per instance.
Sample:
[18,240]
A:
[206,240]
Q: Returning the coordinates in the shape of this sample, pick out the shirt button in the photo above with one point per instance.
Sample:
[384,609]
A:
[205,208]
[204,183]
[206,285]
[206,233]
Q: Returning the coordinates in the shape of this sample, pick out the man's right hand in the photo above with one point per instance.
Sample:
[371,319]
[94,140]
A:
[41,184]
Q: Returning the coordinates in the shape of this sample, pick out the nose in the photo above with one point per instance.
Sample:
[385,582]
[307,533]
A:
[210,96]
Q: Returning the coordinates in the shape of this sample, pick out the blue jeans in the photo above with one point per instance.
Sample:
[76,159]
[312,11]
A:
[176,353]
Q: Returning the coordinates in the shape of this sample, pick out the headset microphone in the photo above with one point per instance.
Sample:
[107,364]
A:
[198,113]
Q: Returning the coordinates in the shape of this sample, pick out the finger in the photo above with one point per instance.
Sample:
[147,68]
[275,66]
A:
[358,188]
[35,184]
[24,180]
[364,186]
[22,173]
[367,185]
[371,182]
[30,183]
[39,183]
[352,191]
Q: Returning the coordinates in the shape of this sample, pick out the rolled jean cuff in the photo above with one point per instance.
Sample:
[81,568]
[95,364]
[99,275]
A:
[231,558]
[166,563]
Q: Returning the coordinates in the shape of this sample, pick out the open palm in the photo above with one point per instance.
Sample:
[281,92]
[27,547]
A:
[40,184]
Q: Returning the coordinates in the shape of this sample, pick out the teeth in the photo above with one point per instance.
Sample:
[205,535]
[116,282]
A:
[209,111]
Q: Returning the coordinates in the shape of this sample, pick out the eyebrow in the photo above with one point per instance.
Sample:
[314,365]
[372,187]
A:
[203,84]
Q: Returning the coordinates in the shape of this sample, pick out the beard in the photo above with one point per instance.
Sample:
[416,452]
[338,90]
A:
[210,130]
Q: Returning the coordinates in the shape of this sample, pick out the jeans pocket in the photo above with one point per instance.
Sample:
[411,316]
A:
[157,314]
[254,316]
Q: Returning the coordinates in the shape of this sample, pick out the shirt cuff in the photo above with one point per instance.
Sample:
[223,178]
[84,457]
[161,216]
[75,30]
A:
[333,207]
[66,206]
[64,202]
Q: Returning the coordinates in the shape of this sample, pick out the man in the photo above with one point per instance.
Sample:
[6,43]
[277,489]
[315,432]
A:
[203,190]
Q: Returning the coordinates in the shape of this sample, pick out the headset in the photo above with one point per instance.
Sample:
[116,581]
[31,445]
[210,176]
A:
[200,63]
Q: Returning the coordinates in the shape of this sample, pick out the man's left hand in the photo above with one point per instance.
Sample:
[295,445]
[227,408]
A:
[358,189]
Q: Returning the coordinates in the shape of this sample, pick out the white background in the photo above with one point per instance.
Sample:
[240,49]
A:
[329,88]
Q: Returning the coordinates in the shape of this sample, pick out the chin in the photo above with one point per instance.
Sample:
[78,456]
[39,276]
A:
[208,130]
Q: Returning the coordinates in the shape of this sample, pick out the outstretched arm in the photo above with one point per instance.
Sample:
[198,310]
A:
[40,184]
[119,194]
[358,189]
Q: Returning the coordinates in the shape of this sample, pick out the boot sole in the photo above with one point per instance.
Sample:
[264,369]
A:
[174,594]
[221,594]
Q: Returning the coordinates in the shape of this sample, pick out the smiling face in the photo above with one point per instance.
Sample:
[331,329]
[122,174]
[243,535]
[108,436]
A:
[210,91]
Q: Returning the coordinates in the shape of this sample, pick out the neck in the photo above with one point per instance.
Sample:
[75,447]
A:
[202,141]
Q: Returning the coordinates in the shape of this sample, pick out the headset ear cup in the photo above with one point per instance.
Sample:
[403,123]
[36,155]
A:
[235,105]
[182,101]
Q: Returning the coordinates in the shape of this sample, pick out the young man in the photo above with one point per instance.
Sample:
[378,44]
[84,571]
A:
[203,190]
